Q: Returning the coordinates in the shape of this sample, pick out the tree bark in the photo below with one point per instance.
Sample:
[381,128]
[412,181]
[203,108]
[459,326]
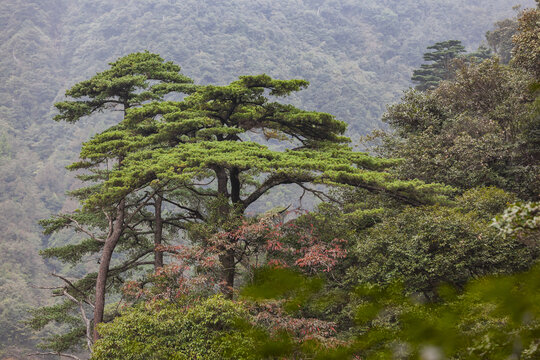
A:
[227,258]
[105,261]
[228,264]
[158,232]
[235,186]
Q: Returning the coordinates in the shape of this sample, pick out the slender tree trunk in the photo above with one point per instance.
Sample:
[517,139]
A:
[105,261]
[235,186]
[227,262]
[158,232]
[227,258]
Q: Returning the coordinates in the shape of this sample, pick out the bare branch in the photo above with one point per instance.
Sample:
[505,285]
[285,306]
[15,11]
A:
[192,211]
[133,262]
[204,184]
[70,284]
[46,287]
[85,319]
[144,203]
[271,182]
[193,190]
[319,194]
[82,229]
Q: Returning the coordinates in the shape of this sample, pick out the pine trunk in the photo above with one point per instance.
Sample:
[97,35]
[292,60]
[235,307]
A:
[158,232]
[105,261]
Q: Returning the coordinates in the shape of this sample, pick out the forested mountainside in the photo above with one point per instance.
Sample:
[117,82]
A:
[357,56]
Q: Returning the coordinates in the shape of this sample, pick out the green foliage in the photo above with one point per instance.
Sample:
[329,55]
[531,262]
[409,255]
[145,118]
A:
[126,84]
[425,247]
[217,117]
[174,146]
[520,220]
[495,318]
[130,81]
[500,38]
[441,58]
[213,328]
[278,283]
[461,135]
[353,74]
[527,42]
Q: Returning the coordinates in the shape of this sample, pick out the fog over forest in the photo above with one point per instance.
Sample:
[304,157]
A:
[358,57]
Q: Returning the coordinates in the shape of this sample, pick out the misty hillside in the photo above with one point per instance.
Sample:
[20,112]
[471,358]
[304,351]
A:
[357,55]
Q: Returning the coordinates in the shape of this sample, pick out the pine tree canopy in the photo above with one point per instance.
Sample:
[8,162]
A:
[209,132]
[131,80]
[429,75]
[226,145]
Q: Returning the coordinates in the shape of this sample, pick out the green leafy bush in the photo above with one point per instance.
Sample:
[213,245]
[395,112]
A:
[212,328]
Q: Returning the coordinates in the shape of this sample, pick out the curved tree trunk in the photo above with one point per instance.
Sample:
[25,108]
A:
[105,261]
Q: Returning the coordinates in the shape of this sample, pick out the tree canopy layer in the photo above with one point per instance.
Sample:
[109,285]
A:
[462,135]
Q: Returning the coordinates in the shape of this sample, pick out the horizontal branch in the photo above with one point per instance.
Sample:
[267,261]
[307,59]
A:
[271,182]
[82,229]
[192,211]
[70,284]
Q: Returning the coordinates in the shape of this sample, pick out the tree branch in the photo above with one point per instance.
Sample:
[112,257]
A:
[85,319]
[193,211]
[272,181]
[70,284]
[319,194]
[82,229]
[143,204]
[196,192]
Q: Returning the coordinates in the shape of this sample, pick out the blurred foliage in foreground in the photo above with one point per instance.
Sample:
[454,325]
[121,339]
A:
[493,318]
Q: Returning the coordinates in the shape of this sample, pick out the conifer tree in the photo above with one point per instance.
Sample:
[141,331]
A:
[202,145]
[429,75]
[196,156]
[131,81]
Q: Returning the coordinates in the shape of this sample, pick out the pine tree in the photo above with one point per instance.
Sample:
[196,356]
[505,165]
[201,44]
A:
[196,156]
[131,81]
[429,75]
[201,145]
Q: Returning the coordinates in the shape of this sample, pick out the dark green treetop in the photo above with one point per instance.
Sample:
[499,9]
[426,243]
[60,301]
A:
[131,80]
[429,75]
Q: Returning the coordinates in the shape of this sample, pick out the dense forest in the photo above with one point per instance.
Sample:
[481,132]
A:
[221,210]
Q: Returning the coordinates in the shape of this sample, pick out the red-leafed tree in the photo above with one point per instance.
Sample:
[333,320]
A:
[255,242]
